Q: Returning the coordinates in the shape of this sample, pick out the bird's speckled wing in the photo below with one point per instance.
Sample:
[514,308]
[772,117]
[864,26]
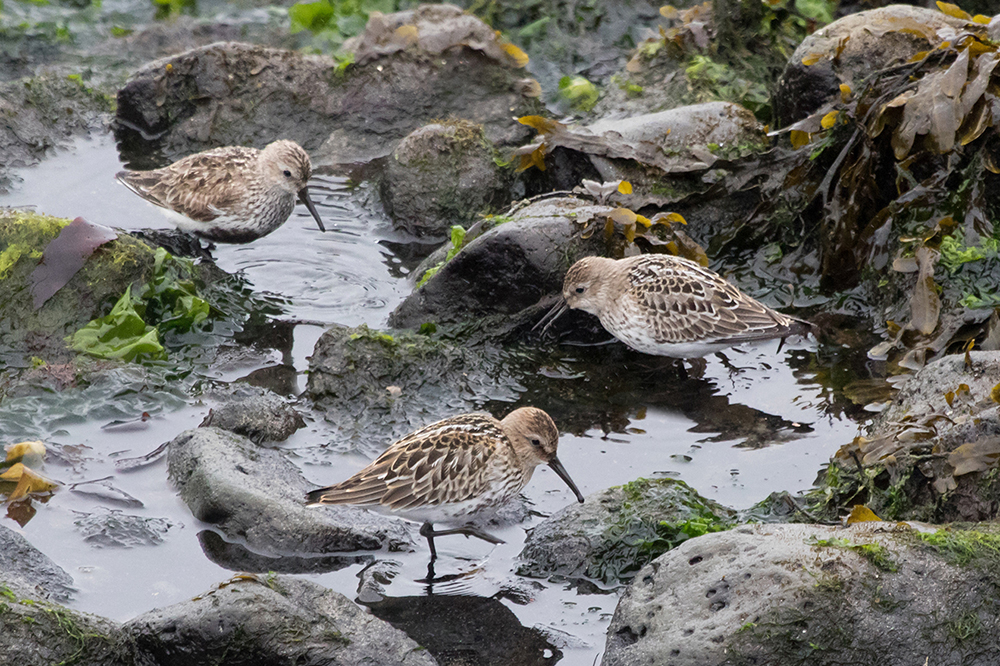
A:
[444,462]
[695,304]
[214,182]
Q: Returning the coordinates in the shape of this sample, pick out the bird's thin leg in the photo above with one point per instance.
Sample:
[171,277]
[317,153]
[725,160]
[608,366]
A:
[467,530]
[427,530]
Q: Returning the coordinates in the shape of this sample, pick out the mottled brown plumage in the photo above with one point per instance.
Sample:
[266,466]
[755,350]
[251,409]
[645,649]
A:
[231,194]
[455,471]
[669,306]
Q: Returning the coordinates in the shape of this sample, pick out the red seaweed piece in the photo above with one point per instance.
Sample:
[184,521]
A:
[65,255]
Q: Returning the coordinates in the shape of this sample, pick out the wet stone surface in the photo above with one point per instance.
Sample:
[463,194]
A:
[269,619]
[114,529]
[256,496]
[784,593]
[257,414]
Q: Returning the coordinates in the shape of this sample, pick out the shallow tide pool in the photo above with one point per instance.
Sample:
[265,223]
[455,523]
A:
[704,430]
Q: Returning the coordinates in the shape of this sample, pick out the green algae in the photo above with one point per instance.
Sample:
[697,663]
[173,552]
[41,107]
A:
[656,515]
[878,555]
[964,547]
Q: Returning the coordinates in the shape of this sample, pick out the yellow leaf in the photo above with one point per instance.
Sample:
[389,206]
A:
[919,55]
[675,217]
[34,451]
[625,187]
[538,123]
[799,138]
[669,11]
[644,221]
[979,18]
[14,472]
[953,10]
[861,514]
[829,120]
[845,93]
[29,482]
[534,159]
[812,59]
[977,48]
[622,216]
[630,233]
[989,162]
[519,56]
[995,394]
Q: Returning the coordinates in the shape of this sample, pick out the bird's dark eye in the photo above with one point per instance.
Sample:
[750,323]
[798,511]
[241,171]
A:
[288,174]
[537,443]
[579,290]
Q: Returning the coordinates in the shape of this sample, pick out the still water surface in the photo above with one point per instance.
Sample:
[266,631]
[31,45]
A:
[350,276]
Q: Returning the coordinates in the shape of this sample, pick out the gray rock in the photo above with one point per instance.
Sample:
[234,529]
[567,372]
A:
[268,620]
[24,567]
[256,496]
[510,268]
[258,415]
[666,156]
[33,630]
[872,593]
[441,175]
[926,391]
[617,531]
[247,94]
[110,528]
[42,113]
[852,48]
[377,387]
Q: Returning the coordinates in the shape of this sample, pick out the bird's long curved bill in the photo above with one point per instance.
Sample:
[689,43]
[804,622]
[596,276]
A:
[550,317]
[564,475]
[304,198]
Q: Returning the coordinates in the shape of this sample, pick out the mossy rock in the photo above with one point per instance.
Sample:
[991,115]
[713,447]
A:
[616,532]
[28,332]
[378,386]
[875,593]
[35,631]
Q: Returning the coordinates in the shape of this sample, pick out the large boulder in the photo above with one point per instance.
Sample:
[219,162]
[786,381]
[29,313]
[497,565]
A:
[255,496]
[268,620]
[854,47]
[874,593]
[433,65]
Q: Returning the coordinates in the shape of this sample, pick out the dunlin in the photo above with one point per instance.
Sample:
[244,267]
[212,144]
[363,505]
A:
[457,471]
[231,194]
[668,306]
